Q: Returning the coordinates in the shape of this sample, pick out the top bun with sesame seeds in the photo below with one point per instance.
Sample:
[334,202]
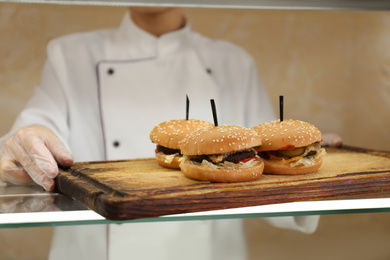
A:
[287,134]
[167,136]
[290,147]
[224,153]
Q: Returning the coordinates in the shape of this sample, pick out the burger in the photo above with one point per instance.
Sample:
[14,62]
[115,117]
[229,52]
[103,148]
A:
[290,147]
[167,136]
[224,153]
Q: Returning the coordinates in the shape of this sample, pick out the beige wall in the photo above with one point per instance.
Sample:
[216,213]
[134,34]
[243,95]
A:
[333,67]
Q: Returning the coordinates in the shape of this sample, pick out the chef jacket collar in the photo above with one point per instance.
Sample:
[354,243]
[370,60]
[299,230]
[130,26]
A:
[140,44]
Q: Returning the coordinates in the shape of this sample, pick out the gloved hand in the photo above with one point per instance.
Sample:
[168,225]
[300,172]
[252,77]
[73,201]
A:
[331,139]
[32,154]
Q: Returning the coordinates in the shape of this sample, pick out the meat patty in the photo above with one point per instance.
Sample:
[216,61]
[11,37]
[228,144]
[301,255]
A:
[166,150]
[234,157]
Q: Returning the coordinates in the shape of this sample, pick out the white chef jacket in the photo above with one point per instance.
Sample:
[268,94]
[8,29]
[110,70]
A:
[103,91]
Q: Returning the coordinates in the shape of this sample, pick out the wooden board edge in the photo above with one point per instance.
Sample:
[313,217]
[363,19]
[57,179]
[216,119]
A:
[361,150]
[115,208]
[86,193]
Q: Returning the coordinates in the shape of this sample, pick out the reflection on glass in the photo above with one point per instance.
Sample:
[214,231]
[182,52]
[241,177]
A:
[22,199]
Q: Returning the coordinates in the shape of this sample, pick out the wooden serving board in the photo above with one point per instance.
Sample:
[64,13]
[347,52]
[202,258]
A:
[139,188]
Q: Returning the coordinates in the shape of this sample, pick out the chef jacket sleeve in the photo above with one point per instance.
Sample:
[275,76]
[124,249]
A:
[47,106]
[305,224]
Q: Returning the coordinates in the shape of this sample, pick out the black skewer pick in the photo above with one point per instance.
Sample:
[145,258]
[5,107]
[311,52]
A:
[281,108]
[187,107]
[214,112]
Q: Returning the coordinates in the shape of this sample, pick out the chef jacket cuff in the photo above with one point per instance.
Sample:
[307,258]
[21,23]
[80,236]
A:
[305,224]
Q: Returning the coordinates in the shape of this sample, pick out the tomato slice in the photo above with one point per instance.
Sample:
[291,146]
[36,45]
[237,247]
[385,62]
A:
[248,159]
[290,146]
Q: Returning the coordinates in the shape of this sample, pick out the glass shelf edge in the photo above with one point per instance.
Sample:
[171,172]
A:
[236,4]
[304,208]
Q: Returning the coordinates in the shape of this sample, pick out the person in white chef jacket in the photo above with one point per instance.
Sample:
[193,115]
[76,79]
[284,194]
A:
[102,92]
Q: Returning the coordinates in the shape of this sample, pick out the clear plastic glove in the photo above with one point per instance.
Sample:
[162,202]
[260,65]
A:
[331,139]
[31,154]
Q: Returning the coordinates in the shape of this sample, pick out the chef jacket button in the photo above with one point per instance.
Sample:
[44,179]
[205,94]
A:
[209,71]
[110,71]
[116,144]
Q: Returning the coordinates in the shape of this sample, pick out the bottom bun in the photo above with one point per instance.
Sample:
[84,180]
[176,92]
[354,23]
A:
[277,167]
[206,173]
[163,161]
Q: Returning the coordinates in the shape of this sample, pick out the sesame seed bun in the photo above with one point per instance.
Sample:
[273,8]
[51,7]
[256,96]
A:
[172,163]
[289,136]
[277,135]
[206,173]
[278,167]
[219,139]
[169,134]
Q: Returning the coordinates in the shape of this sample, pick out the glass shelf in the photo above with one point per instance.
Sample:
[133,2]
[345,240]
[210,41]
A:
[252,4]
[31,207]
[22,206]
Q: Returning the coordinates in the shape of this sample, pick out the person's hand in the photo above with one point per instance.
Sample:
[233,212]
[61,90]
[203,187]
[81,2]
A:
[331,139]
[32,154]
